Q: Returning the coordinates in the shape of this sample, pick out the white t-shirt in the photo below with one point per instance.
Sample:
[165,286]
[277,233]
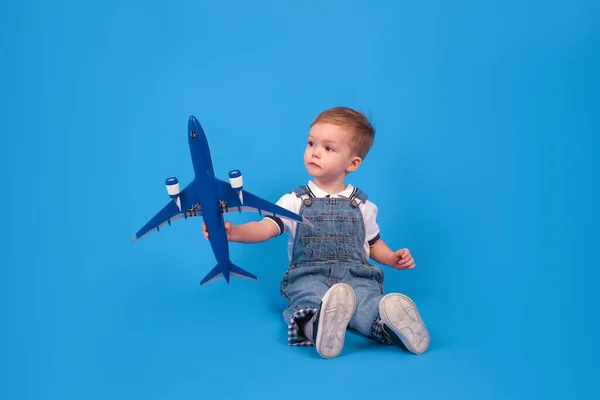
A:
[293,203]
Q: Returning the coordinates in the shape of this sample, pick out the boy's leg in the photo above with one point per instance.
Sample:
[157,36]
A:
[307,289]
[323,326]
[402,323]
[390,319]
[366,319]
[304,288]
[328,326]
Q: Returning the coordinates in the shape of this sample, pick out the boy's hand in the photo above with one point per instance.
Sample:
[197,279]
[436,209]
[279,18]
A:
[402,259]
[228,226]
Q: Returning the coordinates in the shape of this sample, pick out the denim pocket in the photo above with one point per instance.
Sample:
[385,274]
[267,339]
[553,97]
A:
[362,271]
[378,276]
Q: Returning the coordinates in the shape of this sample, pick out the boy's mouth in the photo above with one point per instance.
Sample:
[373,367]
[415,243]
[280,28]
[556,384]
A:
[313,164]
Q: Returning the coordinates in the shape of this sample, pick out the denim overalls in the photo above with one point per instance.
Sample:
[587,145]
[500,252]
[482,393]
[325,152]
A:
[328,253]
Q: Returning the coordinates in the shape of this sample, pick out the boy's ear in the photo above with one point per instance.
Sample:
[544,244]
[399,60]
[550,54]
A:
[354,164]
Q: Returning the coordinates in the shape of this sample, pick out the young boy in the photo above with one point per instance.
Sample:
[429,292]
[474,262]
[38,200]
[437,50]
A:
[330,284]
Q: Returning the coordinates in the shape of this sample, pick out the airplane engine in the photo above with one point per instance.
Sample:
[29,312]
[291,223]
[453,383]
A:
[236,180]
[173,190]
[237,183]
[172,187]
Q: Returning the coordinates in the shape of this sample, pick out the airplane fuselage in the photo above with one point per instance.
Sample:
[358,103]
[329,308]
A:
[206,191]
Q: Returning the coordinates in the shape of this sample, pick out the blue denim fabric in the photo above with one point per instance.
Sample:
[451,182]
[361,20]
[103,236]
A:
[332,252]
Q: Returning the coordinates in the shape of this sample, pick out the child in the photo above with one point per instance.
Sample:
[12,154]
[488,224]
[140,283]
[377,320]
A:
[330,284]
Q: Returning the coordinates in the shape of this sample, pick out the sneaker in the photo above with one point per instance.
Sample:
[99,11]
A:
[330,322]
[402,322]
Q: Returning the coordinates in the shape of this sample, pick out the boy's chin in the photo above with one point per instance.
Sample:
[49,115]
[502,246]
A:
[313,171]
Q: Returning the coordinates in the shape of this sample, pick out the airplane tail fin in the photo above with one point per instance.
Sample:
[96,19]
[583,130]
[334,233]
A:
[213,275]
[221,271]
[240,273]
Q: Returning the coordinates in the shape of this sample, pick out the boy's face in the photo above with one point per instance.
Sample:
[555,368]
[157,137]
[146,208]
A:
[328,155]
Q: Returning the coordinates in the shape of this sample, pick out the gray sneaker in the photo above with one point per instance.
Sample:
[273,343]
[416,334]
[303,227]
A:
[402,322]
[330,322]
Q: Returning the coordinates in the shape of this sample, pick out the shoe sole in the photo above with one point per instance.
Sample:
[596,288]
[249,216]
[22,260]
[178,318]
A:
[337,309]
[400,313]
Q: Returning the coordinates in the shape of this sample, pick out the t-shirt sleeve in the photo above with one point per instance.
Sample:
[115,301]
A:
[287,201]
[371,226]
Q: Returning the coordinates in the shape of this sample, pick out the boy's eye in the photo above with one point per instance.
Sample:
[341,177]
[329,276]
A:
[310,143]
[327,148]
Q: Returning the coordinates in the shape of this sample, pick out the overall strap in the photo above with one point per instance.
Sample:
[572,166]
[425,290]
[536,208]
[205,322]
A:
[358,197]
[302,191]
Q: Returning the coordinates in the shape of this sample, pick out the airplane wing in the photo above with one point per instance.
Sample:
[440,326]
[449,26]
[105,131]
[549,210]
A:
[190,207]
[252,203]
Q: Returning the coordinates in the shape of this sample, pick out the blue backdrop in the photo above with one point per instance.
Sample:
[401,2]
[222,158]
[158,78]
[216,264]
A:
[483,165]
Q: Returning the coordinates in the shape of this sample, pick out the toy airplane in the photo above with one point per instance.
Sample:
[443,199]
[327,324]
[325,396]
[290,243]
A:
[210,197]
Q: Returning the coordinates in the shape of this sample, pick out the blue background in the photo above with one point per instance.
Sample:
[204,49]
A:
[483,165]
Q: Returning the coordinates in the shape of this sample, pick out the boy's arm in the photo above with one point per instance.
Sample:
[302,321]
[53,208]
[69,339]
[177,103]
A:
[379,251]
[251,232]
[401,259]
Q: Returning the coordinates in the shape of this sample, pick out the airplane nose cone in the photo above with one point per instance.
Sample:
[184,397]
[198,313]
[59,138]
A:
[193,127]
[193,122]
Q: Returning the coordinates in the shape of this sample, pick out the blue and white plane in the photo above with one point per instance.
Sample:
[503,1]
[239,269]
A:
[210,197]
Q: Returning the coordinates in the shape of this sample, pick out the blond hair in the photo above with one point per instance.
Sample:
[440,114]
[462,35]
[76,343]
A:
[363,133]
